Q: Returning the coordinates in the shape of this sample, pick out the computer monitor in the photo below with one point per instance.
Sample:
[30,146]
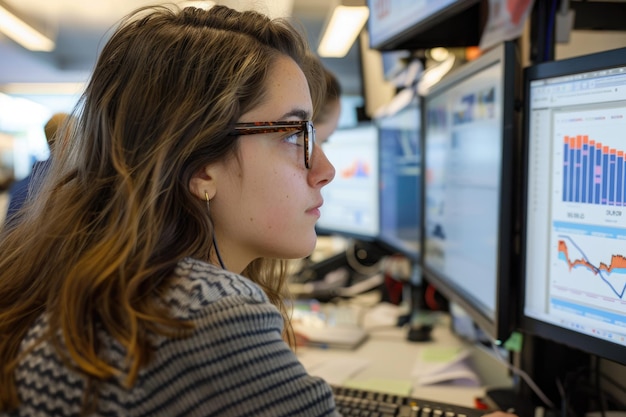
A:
[350,206]
[394,25]
[574,229]
[471,162]
[400,176]
[394,62]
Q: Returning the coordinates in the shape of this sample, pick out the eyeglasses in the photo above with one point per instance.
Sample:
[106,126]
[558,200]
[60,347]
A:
[304,126]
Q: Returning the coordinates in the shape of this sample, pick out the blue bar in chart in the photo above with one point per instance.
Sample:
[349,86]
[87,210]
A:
[592,172]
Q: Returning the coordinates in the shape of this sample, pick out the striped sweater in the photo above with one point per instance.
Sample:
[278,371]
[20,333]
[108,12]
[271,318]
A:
[234,364]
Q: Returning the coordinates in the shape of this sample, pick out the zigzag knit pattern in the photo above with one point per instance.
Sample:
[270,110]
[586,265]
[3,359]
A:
[234,364]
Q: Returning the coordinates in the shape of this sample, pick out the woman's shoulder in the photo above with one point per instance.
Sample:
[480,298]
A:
[197,285]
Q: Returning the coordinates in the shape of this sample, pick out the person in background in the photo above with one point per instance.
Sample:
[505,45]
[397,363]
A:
[18,193]
[146,277]
[327,118]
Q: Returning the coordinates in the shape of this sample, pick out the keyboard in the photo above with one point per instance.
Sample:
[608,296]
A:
[363,403]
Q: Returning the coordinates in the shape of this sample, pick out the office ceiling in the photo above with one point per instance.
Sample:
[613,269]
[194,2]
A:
[81,27]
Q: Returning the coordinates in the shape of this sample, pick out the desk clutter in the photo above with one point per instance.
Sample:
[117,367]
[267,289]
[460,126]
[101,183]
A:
[430,366]
[343,325]
[327,325]
[385,361]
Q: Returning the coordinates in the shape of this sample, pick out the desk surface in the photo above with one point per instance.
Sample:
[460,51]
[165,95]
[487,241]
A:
[386,360]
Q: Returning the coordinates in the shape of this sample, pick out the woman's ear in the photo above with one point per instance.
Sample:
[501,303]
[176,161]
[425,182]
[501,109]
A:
[203,183]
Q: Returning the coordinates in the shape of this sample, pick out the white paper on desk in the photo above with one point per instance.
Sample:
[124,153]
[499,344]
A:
[310,360]
[383,314]
[448,365]
[456,374]
[336,371]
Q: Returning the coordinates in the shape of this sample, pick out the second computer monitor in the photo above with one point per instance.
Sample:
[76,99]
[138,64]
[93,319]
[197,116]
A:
[400,162]
[351,200]
[471,150]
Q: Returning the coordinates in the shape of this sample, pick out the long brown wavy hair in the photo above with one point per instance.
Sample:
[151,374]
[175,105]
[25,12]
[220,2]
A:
[114,214]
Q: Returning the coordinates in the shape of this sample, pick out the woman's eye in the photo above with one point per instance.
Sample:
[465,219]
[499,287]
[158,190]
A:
[296,138]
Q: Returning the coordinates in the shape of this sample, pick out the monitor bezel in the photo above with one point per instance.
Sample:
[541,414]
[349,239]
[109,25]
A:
[505,321]
[457,24]
[530,325]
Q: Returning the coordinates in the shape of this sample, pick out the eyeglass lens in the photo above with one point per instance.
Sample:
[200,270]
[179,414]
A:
[309,142]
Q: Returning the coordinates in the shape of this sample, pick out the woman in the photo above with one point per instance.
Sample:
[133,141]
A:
[192,165]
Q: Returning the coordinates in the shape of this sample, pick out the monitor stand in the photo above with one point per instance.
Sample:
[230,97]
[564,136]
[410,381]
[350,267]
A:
[420,320]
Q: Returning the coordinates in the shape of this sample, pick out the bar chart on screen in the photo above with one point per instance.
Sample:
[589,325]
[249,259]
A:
[592,172]
[589,149]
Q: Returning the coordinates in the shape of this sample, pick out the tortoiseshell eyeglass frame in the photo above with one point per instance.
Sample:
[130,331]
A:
[305,126]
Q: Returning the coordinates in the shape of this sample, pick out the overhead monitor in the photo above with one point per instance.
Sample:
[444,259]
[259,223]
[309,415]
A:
[397,24]
[394,62]
[471,148]
[574,240]
[400,162]
[350,204]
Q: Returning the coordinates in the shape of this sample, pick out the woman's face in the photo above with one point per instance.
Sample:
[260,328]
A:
[266,202]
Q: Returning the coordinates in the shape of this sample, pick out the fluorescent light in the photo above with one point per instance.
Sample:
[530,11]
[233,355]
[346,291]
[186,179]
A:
[343,28]
[439,54]
[434,74]
[43,88]
[275,8]
[22,33]
[206,5]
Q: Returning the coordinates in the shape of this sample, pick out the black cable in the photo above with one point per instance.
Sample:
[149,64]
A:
[217,252]
[609,401]
[563,394]
[569,388]
[616,383]
[598,386]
